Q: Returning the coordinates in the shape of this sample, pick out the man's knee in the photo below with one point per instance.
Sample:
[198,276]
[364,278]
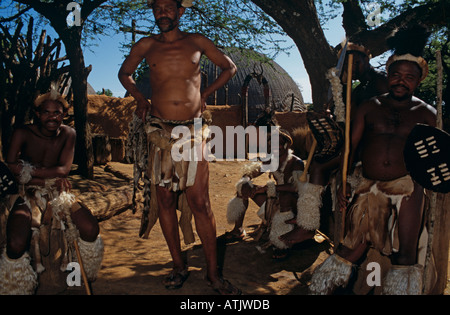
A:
[166,198]
[199,204]
[18,231]
[85,222]
[89,231]
[17,246]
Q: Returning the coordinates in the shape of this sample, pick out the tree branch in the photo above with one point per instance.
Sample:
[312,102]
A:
[428,14]
[12,18]
[353,19]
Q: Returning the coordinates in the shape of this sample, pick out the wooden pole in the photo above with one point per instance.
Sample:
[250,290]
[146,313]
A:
[439,89]
[347,135]
[72,230]
[83,272]
[304,176]
[433,198]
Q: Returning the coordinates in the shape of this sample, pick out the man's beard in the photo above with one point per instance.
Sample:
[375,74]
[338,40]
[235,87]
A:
[403,97]
[166,27]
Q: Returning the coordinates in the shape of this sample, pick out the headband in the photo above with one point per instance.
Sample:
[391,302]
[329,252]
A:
[184,3]
[423,65]
[53,95]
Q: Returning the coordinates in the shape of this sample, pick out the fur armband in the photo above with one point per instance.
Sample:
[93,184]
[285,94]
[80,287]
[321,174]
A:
[334,272]
[356,177]
[336,88]
[25,173]
[251,170]
[403,280]
[271,189]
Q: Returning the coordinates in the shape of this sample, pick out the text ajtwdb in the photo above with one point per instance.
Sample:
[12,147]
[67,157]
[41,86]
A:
[236,305]
[259,140]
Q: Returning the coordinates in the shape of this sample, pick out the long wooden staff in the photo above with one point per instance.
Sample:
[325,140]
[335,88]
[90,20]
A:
[433,197]
[347,135]
[72,228]
[83,272]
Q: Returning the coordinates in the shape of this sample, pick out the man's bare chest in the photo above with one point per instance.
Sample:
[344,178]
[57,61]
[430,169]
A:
[391,121]
[173,57]
[42,152]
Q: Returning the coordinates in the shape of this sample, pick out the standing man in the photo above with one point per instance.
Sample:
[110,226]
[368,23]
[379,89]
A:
[174,57]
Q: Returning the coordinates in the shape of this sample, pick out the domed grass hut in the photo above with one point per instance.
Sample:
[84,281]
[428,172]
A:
[259,82]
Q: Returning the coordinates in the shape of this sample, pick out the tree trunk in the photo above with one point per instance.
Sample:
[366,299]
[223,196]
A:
[56,13]
[300,21]
[84,155]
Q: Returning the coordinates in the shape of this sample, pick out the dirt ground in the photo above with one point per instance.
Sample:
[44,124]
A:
[136,266]
[133,265]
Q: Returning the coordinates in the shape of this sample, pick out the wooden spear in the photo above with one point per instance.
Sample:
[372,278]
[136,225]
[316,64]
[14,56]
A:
[347,135]
[83,272]
[433,197]
[72,228]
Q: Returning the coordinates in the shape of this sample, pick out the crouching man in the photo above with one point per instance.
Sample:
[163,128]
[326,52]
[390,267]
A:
[40,156]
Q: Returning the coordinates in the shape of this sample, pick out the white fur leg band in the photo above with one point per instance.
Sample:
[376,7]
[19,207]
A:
[403,280]
[280,227]
[17,276]
[235,209]
[308,205]
[334,272]
[92,256]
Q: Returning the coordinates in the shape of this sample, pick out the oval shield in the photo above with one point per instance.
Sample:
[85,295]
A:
[427,157]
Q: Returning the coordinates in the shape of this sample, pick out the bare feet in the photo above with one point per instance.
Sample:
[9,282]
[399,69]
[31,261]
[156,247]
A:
[297,235]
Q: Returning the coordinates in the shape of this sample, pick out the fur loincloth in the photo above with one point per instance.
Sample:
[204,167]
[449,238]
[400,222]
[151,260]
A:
[152,145]
[51,210]
[373,215]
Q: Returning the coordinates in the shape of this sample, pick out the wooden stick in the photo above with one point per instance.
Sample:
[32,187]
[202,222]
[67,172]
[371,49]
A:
[439,89]
[304,176]
[347,122]
[83,273]
[347,135]
[433,198]
[72,228]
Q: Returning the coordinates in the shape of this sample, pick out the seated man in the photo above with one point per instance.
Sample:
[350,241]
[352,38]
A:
[326,162]
[40,156]
[387,209]
[279,200]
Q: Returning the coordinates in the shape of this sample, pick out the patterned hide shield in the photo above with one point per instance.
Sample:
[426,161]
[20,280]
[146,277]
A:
[427,157]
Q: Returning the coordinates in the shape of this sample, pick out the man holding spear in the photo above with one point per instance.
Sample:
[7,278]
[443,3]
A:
[386,211]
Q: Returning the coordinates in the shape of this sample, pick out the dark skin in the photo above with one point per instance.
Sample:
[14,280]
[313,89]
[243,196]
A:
[380,128]
[320,172]
[376,85]
[287,194]
[174,60]
[49,146]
